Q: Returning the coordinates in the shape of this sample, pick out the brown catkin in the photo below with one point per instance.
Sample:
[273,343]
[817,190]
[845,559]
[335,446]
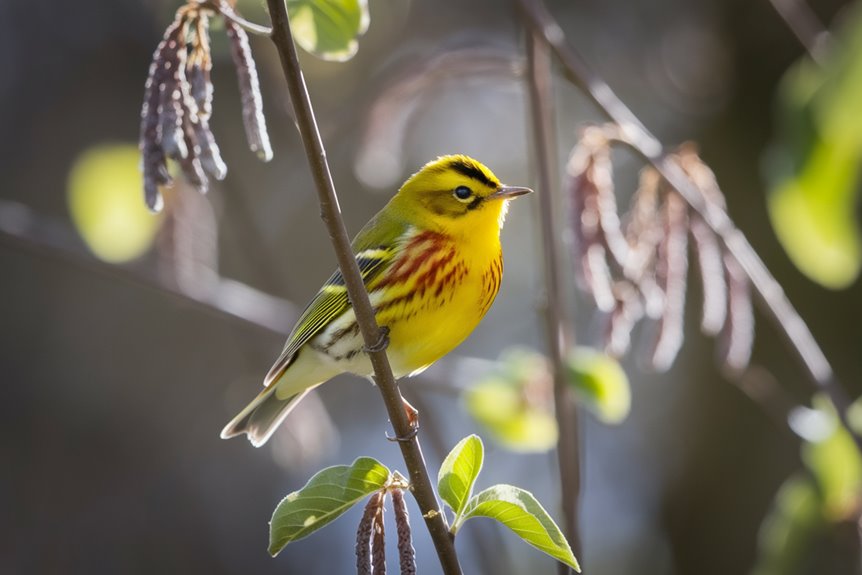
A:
[671,272]
[249,89]
[378,540]
[406,553]
[162,79]
[591,266]
[191,162]
[363,536]
[198,94]
[737,335]
[713,283]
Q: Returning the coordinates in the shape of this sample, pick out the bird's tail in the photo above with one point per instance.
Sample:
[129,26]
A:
[262,416]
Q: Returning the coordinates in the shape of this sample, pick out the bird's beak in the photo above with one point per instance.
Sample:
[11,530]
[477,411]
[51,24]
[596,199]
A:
[509,192]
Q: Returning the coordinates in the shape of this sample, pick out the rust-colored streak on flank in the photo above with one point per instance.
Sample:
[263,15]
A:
[491,283]
[428,277]
[451,276]
[427,267]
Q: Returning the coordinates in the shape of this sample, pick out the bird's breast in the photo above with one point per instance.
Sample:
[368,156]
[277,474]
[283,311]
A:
[435,295]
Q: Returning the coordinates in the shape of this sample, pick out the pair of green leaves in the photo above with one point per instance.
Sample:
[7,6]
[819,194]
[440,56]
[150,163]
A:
[334,490]
[512,506]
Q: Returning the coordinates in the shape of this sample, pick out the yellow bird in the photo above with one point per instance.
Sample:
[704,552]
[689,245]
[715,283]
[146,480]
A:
[432,263]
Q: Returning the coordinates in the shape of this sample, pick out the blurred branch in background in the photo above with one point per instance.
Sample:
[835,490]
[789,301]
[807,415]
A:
[380,157]
[558,324]
[776,304]
[224,297]
[805,25]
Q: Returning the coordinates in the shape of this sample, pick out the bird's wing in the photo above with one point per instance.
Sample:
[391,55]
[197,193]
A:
[374,249]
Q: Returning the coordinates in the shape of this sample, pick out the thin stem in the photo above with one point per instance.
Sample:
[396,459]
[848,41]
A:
[226,10]
[365,318]
[558,327]
[771,295]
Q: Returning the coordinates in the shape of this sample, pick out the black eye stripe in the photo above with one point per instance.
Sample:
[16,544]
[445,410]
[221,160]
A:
[475,203]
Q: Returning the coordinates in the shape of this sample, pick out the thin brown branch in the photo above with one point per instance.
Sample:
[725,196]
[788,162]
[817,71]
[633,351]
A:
[771,295]
[372,335]
[558,327]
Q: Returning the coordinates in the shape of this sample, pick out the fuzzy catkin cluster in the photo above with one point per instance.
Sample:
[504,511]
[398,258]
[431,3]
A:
[636,266]
[178,103]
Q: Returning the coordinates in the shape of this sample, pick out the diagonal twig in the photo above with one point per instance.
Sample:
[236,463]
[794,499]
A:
[226,297]
[805,25]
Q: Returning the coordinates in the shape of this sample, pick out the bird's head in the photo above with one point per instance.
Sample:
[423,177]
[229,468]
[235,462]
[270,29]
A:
[456,194]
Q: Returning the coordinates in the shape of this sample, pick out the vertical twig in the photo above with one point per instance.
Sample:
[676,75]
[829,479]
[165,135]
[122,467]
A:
[775,302]
[371,333]
[557,324]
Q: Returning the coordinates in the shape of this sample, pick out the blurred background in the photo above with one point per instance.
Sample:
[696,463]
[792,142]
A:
[123,348]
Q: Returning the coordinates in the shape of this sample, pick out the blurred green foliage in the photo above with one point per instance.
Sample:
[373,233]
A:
[514,404]
[813,504]
[600,384]
[813,166]
[104,197]
[328,28]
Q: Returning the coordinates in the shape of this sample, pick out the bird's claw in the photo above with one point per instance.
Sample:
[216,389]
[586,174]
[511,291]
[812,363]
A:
[382,341]
[414,431]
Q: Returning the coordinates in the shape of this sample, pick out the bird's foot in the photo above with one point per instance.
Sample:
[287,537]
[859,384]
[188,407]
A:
[412,420]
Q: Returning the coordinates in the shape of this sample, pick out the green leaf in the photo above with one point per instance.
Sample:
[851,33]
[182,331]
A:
[791,528]
[458,473]
[600,384]
[511,404]
[328,28]
[519,511]
[813,165]
[326,496]
[813,215]
[104,200]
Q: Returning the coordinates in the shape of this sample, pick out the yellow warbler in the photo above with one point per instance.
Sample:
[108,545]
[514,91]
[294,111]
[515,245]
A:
[432,263]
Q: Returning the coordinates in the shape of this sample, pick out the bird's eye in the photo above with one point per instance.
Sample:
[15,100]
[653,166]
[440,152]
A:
[463,193]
